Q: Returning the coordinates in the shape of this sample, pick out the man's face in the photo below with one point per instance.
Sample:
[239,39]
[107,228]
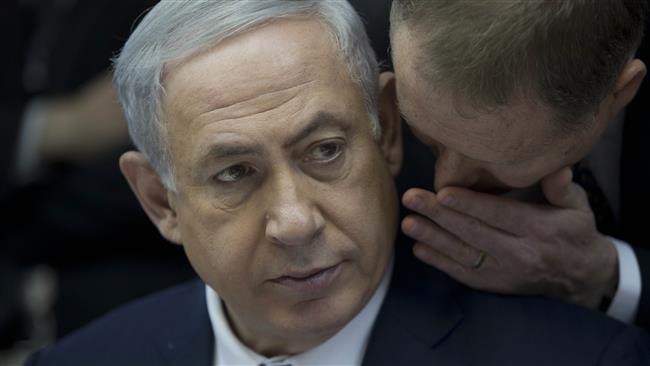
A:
[285,203]
[511,147]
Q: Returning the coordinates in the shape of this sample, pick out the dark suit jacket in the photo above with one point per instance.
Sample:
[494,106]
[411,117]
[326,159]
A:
[426,318]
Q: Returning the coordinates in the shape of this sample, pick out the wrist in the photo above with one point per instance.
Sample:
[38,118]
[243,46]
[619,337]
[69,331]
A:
[599,281]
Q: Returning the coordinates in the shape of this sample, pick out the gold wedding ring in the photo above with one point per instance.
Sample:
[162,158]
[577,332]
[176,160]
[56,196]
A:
[479,260]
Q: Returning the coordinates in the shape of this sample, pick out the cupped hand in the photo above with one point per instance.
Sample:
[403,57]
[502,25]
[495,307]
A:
[498,244]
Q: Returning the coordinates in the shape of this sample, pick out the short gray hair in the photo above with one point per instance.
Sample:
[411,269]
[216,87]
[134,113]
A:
[487,52]
[174,30]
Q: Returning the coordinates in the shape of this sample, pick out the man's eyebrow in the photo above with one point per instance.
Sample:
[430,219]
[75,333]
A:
[226,150]
[320,120]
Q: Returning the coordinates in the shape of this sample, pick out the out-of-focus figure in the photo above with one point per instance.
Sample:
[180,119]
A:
[72,234]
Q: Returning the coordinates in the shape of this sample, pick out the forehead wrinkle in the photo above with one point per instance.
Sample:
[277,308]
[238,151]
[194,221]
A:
[229,106]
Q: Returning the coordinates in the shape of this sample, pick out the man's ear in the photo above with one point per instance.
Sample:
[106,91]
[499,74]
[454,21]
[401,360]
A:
[151,193]
[390,122]
[627,84]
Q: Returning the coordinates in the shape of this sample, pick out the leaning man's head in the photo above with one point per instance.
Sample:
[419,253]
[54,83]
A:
[507,92]
[267,146]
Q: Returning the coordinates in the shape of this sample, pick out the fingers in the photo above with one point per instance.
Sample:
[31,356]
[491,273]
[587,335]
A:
[560,191]
[472,277]
[499,212]
[420,200]
[436,259]
[433,236]
[466,228]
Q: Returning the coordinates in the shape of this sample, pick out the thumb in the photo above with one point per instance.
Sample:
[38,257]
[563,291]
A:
[560,190]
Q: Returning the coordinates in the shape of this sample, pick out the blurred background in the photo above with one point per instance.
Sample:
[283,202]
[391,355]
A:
[74,241]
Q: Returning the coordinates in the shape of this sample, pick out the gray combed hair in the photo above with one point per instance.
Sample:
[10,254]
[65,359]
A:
[174,30]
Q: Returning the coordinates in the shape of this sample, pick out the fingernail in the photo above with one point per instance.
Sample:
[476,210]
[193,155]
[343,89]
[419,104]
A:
[412,230]
[448,200]
[415,203]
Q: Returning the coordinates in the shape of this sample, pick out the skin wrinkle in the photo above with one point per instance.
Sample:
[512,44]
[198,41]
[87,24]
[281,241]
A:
[254,101]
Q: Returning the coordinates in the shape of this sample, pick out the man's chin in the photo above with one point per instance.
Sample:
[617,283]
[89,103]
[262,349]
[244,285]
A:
[311,323]
[331,311]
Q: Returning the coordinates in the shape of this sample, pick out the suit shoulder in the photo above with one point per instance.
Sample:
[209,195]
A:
[553,330]
[502,329]
[131,334]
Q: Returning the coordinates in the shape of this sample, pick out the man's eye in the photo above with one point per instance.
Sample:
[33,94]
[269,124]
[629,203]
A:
[233,173]
[325,152]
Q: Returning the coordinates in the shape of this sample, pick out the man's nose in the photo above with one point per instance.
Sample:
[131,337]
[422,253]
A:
[292,217]
[453,169]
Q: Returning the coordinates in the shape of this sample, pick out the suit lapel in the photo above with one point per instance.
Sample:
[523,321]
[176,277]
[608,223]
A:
[417,315]
[188,340]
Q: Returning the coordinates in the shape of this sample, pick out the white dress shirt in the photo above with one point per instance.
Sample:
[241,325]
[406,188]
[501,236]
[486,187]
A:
[347,347]
[625,302]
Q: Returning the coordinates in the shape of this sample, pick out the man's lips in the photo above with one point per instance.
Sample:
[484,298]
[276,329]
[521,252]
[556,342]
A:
[308,281]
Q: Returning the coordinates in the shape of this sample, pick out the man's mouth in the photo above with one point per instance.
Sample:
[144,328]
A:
[309,281]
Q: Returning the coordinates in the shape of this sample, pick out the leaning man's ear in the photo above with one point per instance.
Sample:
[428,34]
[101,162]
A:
[151,193]
[627,84]
[389,119]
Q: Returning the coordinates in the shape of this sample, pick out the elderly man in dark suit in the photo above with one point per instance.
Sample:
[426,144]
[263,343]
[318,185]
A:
[268,143]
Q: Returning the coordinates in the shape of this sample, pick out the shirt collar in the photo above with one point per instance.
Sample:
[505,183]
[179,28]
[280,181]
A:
[347,347]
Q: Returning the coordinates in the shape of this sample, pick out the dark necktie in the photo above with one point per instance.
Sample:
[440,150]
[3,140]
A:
[603,213]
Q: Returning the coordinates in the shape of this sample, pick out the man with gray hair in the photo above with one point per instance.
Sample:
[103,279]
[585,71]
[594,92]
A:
[509,95]
[268,143]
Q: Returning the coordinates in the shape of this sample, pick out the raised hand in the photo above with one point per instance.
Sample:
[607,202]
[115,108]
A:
[501,245]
